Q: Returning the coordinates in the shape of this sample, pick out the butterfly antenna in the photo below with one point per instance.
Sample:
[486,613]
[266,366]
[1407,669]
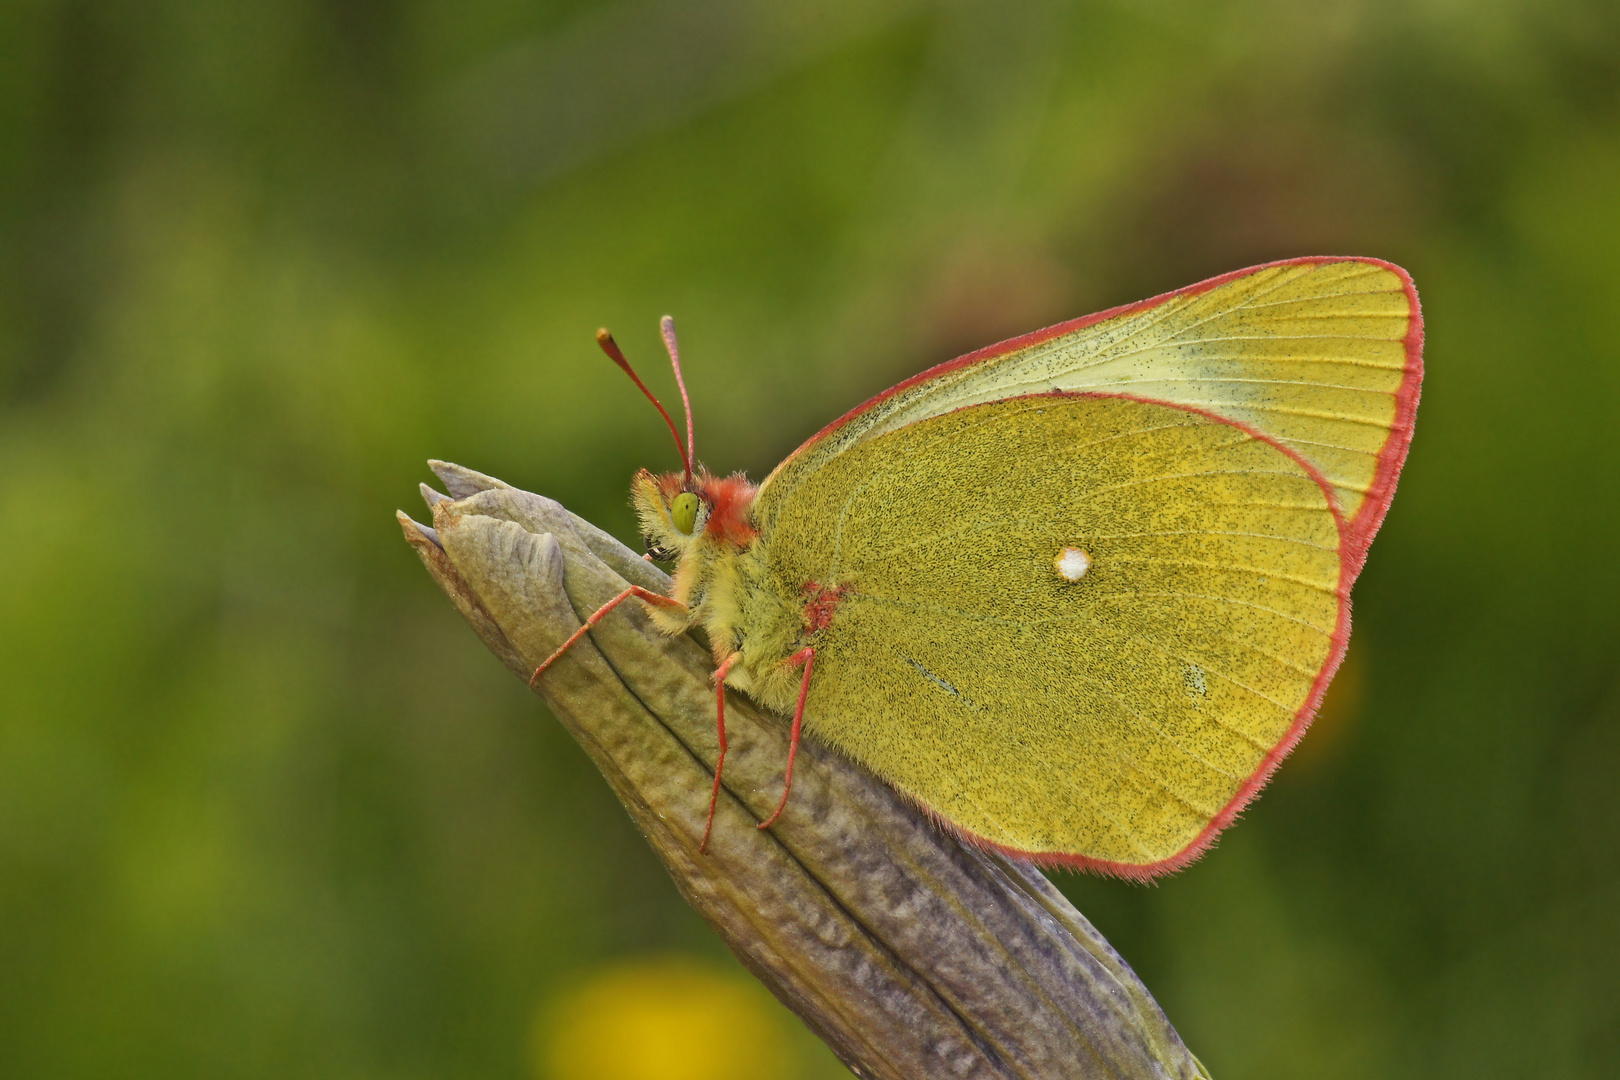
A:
[611,347]
[667,326]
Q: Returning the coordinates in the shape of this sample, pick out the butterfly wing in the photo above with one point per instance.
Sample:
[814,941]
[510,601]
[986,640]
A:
[1115,721]
[1322,354]
[1224,491]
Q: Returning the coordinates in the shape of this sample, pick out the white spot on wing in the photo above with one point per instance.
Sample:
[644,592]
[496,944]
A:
[1072,563]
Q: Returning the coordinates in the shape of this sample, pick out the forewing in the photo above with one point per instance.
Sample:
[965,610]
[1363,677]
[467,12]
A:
[1117,721]
[1323,355]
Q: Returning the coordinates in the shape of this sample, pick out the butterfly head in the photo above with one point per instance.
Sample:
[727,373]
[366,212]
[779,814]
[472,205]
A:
[679,516]
[681,512]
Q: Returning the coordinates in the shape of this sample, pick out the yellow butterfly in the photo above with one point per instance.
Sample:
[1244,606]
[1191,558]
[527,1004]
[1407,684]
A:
[1076,594]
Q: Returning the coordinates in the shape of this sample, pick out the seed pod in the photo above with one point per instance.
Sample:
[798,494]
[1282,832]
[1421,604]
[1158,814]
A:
[911,954]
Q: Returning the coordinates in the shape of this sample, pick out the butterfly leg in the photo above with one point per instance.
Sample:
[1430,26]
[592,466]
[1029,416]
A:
[596,616]
[806,657]
[720,674]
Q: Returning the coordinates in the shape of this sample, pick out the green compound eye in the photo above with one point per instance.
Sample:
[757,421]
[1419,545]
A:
[684,512]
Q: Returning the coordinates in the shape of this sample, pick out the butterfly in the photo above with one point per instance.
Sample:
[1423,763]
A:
[1076,594]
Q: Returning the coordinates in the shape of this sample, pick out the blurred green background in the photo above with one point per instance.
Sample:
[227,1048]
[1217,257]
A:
[268,809]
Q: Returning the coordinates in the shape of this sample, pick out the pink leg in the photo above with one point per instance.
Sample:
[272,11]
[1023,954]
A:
[720,724]
[596,616]
[807,657]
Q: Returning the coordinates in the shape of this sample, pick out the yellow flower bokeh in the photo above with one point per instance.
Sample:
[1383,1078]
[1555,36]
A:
[669,1018]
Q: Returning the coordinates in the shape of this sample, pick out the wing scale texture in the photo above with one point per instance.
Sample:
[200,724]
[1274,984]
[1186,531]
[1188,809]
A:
[1222,455]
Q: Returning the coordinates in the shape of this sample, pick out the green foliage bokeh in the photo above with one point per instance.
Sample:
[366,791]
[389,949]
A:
[268,809]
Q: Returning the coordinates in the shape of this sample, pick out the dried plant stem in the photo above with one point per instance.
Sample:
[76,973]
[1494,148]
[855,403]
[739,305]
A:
[912,955]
